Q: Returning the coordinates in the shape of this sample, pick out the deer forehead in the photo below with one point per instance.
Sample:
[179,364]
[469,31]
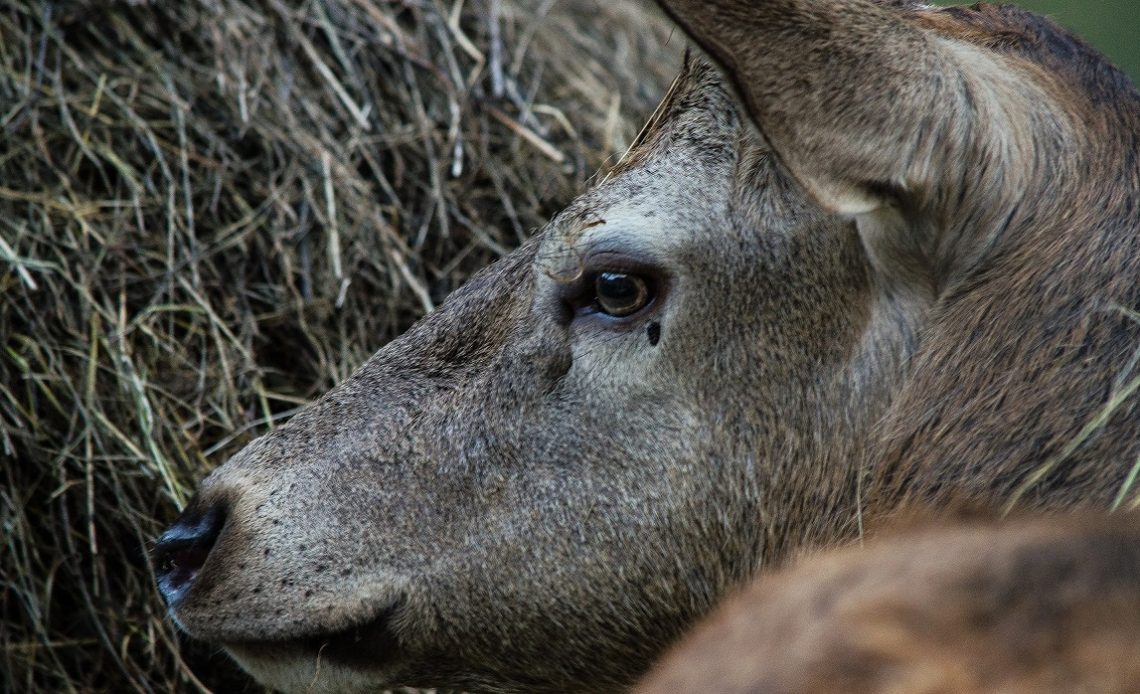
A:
[652,213]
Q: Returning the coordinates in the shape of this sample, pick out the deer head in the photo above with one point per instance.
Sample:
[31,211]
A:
[890,254]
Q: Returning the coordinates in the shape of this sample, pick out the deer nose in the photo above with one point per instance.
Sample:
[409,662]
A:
[182,551]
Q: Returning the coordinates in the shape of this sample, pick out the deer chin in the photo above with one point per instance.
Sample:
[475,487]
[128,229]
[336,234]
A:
[307,672]
[361,658]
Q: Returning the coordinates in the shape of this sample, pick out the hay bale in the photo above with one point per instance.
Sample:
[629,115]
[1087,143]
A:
[211,212]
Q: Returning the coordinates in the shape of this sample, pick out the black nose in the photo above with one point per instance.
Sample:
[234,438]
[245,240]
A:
[182,550]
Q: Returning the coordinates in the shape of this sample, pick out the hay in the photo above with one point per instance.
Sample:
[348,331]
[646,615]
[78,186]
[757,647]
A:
[211,212]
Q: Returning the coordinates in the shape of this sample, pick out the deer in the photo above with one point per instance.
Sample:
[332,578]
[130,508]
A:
[1028,605]
[867,255]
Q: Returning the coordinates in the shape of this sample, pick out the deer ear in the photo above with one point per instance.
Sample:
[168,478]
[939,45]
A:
[858,102]
[902,117]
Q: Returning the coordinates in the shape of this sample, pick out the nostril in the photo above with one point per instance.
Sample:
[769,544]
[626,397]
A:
[182,551]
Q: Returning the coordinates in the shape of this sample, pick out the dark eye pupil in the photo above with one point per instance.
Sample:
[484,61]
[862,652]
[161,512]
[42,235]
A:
[620,294]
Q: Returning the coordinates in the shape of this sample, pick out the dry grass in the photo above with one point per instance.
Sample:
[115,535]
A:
[210,212]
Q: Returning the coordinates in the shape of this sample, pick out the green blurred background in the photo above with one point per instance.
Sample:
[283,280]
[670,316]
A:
[1113,26]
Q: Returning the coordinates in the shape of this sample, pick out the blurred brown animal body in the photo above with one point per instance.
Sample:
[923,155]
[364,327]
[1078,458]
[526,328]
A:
[1035,607]
[917,284]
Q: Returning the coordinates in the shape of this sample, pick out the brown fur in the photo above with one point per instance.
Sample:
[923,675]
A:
[907,271]
[1031,607]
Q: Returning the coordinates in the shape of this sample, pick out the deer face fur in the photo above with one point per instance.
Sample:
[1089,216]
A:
[918,281]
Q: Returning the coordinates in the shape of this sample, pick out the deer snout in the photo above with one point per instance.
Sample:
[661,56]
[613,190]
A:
[182,550]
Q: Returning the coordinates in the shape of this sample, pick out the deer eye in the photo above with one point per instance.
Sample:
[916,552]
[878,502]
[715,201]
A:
[619,295]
